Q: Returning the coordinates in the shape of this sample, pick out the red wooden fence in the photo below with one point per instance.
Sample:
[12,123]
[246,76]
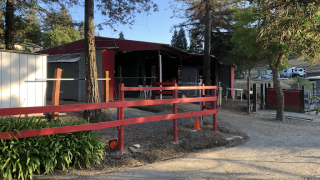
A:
[120,113]
[165,84]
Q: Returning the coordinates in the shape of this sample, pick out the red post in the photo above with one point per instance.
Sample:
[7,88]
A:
[175,138]
[214,115]
[120,117]
[202,103]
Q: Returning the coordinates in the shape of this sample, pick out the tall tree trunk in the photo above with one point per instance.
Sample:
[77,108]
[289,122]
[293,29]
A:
[249,72]
[92,90]
[277,88]
[207,47]
[9,34]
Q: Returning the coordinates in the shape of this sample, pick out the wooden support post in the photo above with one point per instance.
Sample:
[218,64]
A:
[214,115]
[56,91]
[220,96]
[248,94]
[175,138]
[153,81]
[120,74]
[202,103]
[302,99]
[313,89]
[254,97]
[266,96]
[262,97]
[106,95]
[120,117]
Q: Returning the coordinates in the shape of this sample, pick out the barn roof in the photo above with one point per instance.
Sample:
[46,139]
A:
[122,45]
[64,58]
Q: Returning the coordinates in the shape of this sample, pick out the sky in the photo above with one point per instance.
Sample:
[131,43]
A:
[152,28]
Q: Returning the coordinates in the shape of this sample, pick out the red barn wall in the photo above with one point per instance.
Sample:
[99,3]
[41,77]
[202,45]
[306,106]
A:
[107,65]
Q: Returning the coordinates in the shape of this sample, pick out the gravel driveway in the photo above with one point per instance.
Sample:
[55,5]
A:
[275,150]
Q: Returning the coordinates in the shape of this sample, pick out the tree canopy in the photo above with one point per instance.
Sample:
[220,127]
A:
[273,29]
[179,39]
[60,35]
[30,30]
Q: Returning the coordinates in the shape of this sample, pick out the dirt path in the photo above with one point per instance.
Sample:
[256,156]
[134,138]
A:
[275,150]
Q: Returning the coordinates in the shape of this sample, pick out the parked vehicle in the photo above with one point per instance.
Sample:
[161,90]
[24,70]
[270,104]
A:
[288,72]
[269,75]
[255,76]
[300,72]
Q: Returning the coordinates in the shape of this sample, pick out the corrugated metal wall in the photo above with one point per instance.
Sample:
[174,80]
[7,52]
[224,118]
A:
[17,68]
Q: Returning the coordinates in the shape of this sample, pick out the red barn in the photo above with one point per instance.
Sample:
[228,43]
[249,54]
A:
[136,59]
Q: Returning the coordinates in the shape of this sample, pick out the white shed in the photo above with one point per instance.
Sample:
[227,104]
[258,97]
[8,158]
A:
[18,71]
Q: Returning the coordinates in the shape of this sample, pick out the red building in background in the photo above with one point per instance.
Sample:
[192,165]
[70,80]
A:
[136,59]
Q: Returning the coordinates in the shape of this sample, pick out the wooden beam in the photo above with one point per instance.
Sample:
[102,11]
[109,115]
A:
[248,94]
[56,91]
[167,88]
[102,125]
[80,107]
[68,79]
[106,94]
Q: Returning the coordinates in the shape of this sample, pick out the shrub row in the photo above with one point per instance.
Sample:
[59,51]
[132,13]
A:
[20,158]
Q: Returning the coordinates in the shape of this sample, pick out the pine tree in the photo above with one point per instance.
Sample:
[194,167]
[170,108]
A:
[174,38]
[55,18]
[29,29]
[182,40]
[121,36]
[202,18]
[59,28]
[195,48]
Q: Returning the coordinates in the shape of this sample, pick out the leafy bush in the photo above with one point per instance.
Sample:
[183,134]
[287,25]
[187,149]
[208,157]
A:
[301,81]
[20,158]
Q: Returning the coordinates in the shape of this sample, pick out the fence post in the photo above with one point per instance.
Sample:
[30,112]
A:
[254,97]
[175,139]
[313,89]
[266,96]
[120,117]
[56,91]
[153,81]
[302,99]
[248,94]
[262,97]
[202,102]
[219,94]
[106,86]
[214,115]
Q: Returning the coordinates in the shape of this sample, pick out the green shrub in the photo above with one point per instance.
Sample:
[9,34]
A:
[20,158]
[301,81]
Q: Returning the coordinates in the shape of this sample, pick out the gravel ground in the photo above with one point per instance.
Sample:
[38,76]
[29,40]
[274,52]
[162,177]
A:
[275,150]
